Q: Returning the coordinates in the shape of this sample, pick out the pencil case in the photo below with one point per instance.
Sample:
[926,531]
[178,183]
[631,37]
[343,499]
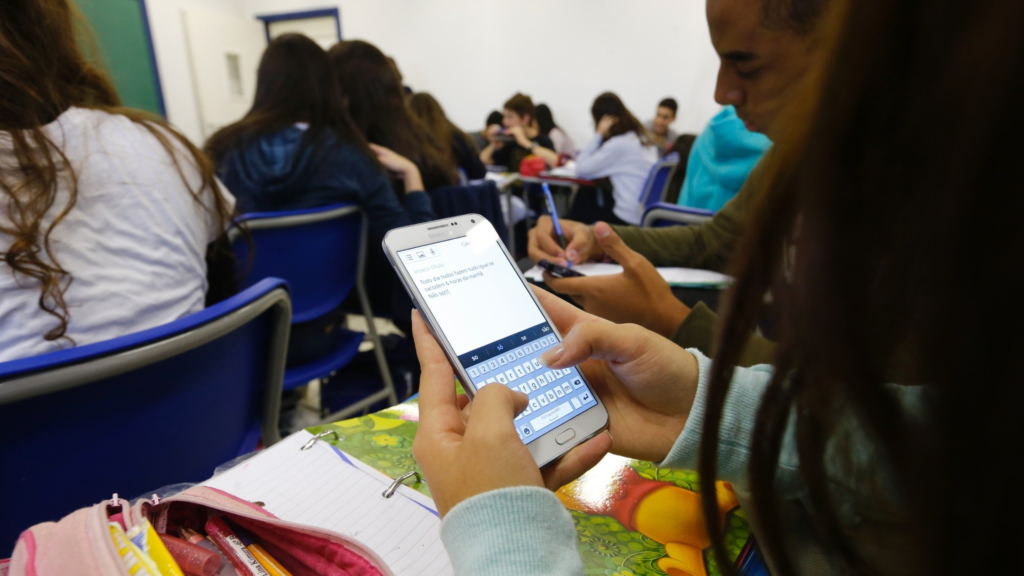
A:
[81,542]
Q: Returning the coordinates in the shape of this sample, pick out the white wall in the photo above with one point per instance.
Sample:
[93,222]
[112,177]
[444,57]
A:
[166,24]
[474,54]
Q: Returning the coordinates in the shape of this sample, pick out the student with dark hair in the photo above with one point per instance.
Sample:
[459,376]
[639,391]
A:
[661,126]
[846,468]
[682,146]
[430,113]
[480,138]
[546,125]
[107,215]
[519,137]
[376,104]
[620,151]
[297,148]
[766,53]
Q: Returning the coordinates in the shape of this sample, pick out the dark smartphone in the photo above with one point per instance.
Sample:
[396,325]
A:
[558,271]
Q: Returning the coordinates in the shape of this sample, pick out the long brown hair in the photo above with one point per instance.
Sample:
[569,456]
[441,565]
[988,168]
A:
[429,112]
[608,104]
[294,83]
[43,73]
[376,103]
[891,227]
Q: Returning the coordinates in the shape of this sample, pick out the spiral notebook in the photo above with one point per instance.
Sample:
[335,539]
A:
[326,488]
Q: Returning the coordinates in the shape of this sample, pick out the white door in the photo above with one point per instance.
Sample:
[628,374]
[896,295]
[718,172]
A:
[224,52]
[322,29]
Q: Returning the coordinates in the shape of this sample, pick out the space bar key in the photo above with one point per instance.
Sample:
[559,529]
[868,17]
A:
[551,416]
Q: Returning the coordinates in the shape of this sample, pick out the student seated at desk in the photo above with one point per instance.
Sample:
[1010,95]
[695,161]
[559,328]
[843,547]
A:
[546,125]
[428,111]
[520,137]
[623,152]
[661,127]
[297,148]
[376,104]
[846,469]
[106,214]
[480,138]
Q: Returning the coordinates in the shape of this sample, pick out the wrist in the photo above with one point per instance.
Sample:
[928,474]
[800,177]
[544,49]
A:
[413,181]
[669,316]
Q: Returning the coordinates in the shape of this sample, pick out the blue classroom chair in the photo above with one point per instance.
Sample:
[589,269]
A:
[321,252]
[658,179]
[142,411]
[664,214]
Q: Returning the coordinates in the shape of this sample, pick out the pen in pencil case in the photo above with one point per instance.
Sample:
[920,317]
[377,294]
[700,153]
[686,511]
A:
[192,559]
[269,563]
[245,563]
[555,220]
[226,567]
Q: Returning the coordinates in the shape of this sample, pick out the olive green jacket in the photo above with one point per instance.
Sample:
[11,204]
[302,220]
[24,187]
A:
[707,246]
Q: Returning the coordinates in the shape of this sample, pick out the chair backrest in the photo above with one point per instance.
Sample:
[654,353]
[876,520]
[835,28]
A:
[319,252]
[654,188]
[146,410]
[662,215]
[477,197]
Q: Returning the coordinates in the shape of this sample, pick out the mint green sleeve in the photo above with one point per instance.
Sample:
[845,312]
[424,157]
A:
[512,532]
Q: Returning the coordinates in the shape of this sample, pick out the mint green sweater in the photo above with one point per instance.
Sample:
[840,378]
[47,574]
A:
[527,530]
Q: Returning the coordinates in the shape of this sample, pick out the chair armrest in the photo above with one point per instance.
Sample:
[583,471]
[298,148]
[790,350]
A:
[663,213]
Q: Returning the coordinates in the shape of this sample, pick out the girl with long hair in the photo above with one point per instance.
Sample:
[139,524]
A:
[106,213]
[546,125]
[462,150]
[297,148]
[371,89]
[622,151]
[882,440]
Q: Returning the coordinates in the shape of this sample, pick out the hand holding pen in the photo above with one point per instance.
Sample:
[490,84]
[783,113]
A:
[555,220]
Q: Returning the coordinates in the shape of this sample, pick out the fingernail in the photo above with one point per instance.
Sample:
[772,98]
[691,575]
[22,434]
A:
[548,358]
[571,254]
[602,230]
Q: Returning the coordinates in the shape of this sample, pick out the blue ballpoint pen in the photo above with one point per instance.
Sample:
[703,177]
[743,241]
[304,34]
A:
[554,218]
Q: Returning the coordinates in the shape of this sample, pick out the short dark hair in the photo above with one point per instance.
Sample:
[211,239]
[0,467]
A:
[494,117]
[521,104]
[669,103]
[800,16]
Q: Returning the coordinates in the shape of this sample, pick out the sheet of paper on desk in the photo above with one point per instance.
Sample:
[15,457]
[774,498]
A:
[325,488]
[681,277]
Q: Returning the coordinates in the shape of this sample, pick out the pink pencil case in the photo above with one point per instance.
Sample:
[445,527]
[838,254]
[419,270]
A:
[81,544]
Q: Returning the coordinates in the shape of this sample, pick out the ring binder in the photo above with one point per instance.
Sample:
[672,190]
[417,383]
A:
[337,438]
[399,481]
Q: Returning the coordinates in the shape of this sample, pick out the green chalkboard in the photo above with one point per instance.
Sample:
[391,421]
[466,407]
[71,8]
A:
[124,46]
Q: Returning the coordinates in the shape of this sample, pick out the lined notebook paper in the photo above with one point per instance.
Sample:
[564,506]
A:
[325,488]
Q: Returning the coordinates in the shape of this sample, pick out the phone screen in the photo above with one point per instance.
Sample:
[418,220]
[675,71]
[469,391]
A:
[496,328]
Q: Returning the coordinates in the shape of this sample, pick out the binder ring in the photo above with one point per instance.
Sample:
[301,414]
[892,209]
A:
[399,481]
[337,438]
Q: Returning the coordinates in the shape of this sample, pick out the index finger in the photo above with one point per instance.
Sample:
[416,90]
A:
[564,315]
[439,409]
[541,244]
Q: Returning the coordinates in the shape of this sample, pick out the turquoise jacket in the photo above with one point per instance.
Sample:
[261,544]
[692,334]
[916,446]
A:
[720,160]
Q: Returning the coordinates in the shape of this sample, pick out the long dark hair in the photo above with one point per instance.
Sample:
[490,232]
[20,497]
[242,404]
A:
[43,73]
[879,241]
[376,103]
[545,121]
[608,104]
[430,113]
[295,83]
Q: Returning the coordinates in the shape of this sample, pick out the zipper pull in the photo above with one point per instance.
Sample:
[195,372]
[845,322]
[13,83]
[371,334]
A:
[156,499]
[114,500]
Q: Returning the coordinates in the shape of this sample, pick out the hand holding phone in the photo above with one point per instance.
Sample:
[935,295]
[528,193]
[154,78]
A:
[492,329]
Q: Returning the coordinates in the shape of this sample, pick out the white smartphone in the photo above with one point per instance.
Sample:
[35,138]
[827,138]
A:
[484,314]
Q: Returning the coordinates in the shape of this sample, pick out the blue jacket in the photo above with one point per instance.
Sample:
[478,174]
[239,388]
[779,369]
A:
[721,158]
[268,175]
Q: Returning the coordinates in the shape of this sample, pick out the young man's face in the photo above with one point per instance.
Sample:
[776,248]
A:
[760,68]
[512,119]
[663,119]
